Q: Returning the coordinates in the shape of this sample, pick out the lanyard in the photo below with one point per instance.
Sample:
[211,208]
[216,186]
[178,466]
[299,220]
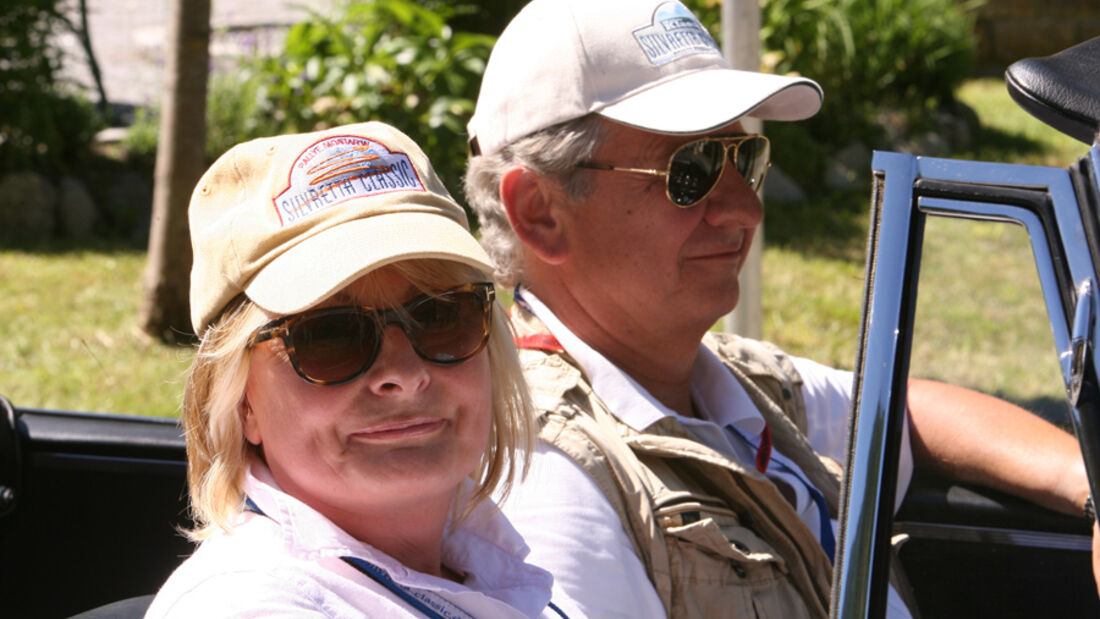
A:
[429,605]
[420,600]
[828,540]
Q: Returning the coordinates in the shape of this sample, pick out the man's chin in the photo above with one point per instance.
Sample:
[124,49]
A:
[718,303]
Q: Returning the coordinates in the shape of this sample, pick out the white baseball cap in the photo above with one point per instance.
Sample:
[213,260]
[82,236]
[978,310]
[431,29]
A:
[291,220]
[645,63]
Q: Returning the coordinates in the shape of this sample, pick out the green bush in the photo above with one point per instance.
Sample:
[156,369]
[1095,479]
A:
[390,60]
[230,119]
[42,126]
[397,61]
[231,112]
[868,55]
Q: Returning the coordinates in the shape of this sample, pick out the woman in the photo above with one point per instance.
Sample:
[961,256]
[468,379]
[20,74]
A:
[355,398]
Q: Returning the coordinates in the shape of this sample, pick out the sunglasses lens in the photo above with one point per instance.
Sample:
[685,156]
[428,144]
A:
[752,160]
[693,171]
[334,347]
[449,328]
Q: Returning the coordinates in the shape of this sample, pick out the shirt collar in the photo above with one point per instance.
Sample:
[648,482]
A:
[718,396]
[485,545]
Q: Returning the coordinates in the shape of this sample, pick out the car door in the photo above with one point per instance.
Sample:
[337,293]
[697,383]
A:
[90,507]
[968,552]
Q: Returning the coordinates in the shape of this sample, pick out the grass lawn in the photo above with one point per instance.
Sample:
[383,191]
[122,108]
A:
[980,319]
[70,341]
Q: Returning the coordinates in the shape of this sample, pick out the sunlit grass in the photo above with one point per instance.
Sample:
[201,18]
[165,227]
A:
[69,339]
[981,320]
[811,305]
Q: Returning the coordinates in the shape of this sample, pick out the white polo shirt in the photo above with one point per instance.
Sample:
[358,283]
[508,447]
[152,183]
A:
[573,530]
[290,561]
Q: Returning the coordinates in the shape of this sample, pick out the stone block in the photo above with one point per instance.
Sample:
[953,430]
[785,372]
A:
[76,211]
[28,206]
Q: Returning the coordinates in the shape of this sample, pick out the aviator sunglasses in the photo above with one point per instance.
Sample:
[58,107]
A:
[696,167]
[336,345]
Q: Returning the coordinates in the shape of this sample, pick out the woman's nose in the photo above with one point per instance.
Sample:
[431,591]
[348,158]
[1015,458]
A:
[397,369]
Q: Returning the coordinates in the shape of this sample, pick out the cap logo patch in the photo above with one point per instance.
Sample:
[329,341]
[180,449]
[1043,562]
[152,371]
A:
[674,33]
[341,168]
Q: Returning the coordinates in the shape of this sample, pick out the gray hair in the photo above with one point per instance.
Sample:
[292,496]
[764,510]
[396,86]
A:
[552,153]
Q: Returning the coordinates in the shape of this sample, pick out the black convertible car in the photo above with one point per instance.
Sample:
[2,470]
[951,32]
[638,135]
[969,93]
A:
[90,504]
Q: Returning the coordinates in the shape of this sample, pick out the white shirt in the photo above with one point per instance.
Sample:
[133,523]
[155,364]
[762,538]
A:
[288,562]
[574,531]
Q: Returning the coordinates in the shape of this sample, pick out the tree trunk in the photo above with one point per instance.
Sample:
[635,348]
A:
[180,163]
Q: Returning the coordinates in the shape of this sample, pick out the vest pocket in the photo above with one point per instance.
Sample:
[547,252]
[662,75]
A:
[715,529]
[712,579]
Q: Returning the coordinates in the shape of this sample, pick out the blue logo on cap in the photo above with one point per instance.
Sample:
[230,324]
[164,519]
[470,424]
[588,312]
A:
[674,33]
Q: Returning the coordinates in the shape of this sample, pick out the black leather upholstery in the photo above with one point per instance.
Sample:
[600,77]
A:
[1062,90]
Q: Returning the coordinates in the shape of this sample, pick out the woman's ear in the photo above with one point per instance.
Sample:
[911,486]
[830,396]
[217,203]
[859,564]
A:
[250,424]
[533,205]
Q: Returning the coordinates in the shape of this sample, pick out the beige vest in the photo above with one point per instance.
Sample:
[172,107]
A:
[716,537]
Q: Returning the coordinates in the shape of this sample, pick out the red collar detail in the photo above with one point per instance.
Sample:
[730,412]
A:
[764,451]
[539,341]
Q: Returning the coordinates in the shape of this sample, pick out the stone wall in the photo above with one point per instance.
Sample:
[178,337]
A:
[1009,30]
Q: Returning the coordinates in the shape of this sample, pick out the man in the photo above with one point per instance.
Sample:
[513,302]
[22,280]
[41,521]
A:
[678,473]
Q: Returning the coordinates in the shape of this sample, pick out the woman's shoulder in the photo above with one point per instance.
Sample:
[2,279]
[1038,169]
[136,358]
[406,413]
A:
[244,565]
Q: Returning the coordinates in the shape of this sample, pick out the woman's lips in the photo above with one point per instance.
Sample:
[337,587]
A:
[401,429]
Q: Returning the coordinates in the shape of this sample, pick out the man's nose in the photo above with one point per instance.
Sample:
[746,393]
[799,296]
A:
[733,202]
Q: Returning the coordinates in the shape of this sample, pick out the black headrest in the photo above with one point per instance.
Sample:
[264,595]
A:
[1062,90]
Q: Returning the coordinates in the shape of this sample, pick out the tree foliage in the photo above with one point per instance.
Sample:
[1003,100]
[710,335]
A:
[397,61]
[42,125]
[868,56]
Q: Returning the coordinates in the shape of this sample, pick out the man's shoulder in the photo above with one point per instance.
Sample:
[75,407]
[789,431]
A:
[552,378]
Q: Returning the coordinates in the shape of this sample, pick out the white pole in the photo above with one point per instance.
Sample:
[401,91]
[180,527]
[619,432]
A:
[741,37]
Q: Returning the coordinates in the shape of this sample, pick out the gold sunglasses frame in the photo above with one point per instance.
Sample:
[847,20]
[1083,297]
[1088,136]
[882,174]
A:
[727,141]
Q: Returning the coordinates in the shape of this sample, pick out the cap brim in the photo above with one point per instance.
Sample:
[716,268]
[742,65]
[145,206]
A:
[711,98]
[325,263]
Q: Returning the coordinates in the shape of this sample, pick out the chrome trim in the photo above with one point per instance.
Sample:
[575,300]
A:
[862,563]
[1093,161]
[1085,408]
[993,535]
[1076,366]
[1055,181]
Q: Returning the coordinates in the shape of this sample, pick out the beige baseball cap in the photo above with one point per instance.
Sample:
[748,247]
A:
[645,63]
[292,219]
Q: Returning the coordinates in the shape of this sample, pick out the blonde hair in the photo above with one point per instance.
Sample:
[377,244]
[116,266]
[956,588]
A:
[214,397]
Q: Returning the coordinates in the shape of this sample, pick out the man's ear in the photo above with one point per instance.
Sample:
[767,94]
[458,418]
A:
[533,206]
